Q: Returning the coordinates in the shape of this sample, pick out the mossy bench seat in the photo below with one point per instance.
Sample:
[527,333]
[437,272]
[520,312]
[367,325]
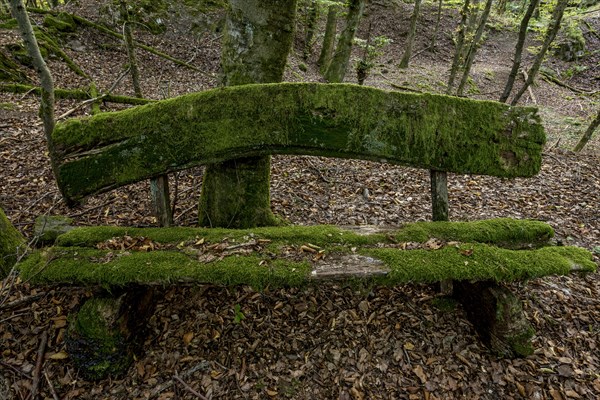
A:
[424,252]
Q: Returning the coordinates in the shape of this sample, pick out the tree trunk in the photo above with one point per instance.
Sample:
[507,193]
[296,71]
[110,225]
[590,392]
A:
[257,41]
[130,47]
[460,40]
[474,46]
[11,242]
[557,15]
[588,133]
[411,35]
[339,64]
[47,84]
[518,50]
[311,26]
[437,26]
[328,40]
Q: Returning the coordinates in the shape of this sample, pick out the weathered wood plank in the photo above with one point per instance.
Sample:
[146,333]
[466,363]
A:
[423,130]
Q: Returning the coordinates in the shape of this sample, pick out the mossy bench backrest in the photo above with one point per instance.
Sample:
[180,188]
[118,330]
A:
[442,133]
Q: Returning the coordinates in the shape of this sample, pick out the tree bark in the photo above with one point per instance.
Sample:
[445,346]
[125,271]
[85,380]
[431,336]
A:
[518,50]
[328,40]
[557,15]
[474,46]
[130,47]
[339,64]
[10,243]
[588,133]
[47,84]
[311,26]
[460,40]
[411,35]
[257,41]
[437,26]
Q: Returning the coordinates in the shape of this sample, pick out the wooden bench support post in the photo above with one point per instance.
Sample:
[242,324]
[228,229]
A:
[108,331]
[497,316]
[159,191]
[439,211]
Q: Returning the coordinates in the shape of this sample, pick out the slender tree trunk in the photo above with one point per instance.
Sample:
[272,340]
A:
[474,46]
[328,40]
[159,186]
[411,35]
[46,82]
[518,50]
[460,40]
[588,133]
[557,15]
[311,26]
[130,47]
[437,26]
[339,64]
[257,40]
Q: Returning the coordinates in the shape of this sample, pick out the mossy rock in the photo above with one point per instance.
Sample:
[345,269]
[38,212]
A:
[48,227]
[10,71]
[11,242]
[61,23]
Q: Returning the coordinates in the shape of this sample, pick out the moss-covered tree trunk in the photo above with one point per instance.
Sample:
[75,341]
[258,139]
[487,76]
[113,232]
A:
[11,243]
[411,35]
[557,14]
[258,38]
[311,27]
[518,50]
[328,40]
[475,43]
[460,41]
[339,63]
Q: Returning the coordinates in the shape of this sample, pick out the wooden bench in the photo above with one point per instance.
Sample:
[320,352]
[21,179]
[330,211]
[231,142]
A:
[441,133]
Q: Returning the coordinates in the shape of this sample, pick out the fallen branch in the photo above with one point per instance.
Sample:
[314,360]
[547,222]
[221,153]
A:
[551,78]
[22,302]
[74,94]
[201,366]
[51,386]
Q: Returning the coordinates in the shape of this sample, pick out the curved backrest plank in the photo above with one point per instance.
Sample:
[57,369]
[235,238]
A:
[430,131]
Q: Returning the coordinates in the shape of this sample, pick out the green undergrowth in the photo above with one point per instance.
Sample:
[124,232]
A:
[80,256]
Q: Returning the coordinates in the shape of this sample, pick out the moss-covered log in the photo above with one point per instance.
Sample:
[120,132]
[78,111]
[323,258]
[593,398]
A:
[292,256]
[423,130]
[75,94]
[11,243]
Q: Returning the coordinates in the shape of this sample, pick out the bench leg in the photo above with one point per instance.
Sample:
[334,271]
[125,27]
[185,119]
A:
[107,331]
[497,315]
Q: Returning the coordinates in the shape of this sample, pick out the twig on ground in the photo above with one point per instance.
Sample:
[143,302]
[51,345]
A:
[37,372]
[202,365]
[51,386]
[21,302]
[14,369]
[188,387]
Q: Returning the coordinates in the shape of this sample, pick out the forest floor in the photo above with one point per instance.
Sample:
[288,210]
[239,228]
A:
[330,341]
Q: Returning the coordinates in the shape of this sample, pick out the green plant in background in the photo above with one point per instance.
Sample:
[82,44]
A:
[372,49]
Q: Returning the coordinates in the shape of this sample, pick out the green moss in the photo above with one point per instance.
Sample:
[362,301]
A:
[11,244]
[521,344]
[476,262]
[504,232]
[421,130]
[62,22]
[70,262]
